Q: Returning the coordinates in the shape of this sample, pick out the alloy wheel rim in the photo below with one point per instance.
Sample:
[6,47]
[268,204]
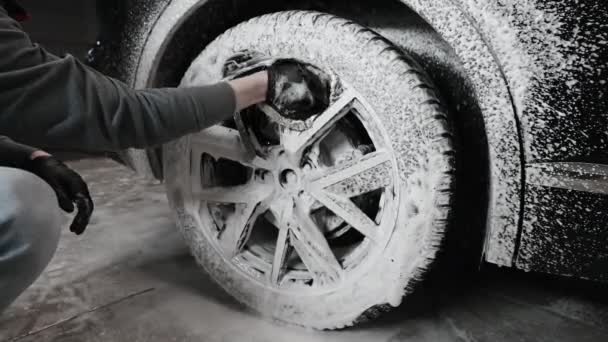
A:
[287,184]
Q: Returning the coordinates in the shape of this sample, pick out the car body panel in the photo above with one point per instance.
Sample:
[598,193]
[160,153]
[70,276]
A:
[565,230]
[553,55]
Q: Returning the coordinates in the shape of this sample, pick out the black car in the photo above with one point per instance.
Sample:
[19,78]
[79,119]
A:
[480,122]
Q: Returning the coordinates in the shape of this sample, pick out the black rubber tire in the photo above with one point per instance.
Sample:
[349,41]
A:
[420,133]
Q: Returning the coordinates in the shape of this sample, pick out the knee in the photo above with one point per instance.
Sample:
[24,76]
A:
[30,218]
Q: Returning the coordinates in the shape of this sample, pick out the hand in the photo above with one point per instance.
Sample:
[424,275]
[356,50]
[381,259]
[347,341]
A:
[250,90]
[296,89]
[67,184]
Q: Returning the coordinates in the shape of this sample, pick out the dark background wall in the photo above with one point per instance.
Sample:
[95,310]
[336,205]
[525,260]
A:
[62,26]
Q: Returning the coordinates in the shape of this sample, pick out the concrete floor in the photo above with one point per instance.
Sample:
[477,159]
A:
[130,278]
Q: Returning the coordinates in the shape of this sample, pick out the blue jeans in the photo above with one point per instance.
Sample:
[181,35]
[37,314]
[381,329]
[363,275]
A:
[30,223]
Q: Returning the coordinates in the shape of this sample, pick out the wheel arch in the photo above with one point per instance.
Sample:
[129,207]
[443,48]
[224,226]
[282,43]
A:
[154,35]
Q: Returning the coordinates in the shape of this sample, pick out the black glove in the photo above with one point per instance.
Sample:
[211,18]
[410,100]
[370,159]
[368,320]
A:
[69,187]
[297,90]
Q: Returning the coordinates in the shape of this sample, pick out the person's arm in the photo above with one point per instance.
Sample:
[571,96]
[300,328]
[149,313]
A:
[13,154]
[61,103]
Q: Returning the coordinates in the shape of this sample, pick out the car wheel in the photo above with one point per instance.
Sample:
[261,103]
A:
[331,221]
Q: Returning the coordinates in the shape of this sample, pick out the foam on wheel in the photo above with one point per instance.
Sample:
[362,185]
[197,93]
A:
[374,175]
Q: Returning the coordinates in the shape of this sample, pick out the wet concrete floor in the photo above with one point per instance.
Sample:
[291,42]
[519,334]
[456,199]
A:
[130,278]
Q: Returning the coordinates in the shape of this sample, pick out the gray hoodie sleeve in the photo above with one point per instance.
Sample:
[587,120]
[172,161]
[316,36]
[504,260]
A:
[13,154]
[60,103]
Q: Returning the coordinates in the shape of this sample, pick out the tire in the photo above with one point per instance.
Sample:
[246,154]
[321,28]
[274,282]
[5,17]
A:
[416,129]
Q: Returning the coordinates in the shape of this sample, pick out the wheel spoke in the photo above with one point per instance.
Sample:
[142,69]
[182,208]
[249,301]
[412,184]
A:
[296,143]
[280,215]
[349,212]
[308,242]
[224,142]
[280,255]
[314,250]
[238,228]
[247,193]
[248,138]
[357,176]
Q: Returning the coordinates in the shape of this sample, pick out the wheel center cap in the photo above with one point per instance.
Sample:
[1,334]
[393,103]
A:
[289,179]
